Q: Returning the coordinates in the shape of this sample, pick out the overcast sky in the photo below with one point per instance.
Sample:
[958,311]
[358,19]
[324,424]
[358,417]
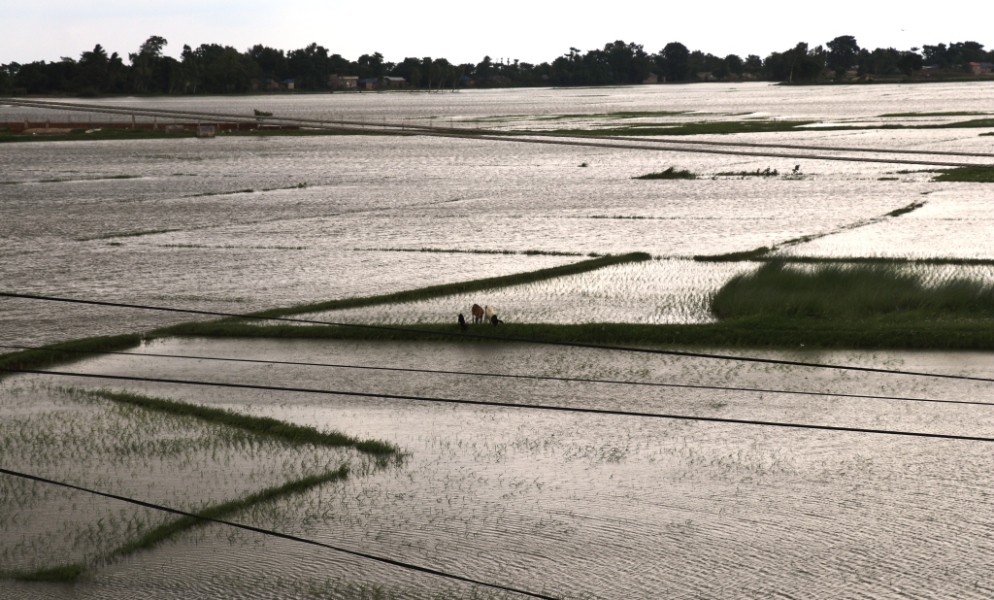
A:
[532,31]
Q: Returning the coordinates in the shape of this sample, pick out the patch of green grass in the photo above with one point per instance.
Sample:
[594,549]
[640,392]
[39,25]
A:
[745,255]
[205,194]
[101,135]
[762,332]
[71,180]
[962,124]
[888,179]
[455,251]
[844,293]
[767,172]
[149,134]
[745,126]
[225,247]
[697,128]
[262,426]
[757,256]
[67,352]
[952,113]
[617,115]
[72,573]
[670,173]
[967,174]
[223,511]
[906,209]
[60,574]
[450,289]
[127,234]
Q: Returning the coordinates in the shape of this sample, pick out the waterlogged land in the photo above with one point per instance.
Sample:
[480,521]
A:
[567,243]
[551,501]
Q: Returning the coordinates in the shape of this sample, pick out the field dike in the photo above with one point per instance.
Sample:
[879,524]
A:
[437,291]
[260,426]
[66,352]
[939,321]
[765,253]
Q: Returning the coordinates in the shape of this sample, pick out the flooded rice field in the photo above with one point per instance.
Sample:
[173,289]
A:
[239,224]
[546,107]
[565,504]
[589,505]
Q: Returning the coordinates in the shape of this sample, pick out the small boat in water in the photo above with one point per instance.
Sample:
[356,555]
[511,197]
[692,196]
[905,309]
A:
[206,131]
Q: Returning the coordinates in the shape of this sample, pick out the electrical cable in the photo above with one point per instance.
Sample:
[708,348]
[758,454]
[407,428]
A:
[285,536]
[492,403]
[511,376]
[770,361]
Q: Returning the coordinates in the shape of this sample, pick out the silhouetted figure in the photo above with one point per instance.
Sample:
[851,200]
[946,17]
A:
[462,322]
[495,321]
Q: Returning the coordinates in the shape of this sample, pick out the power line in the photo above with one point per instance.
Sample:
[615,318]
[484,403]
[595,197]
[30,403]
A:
[769,361]
[285,536]
[594,411]
[513,376]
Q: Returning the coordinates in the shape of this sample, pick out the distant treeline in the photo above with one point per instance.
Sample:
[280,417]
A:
[216,69]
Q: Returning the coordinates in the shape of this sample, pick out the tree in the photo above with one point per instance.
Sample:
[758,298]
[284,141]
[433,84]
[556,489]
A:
[753,65]
[909,62]
[371,65]
[93,70]
[628,62]
[143,63]
[734,65]
[271,62]
[842,53]
[7,73]
[674,61]
[311,66]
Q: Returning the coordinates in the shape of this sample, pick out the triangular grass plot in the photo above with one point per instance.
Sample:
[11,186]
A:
[153,449]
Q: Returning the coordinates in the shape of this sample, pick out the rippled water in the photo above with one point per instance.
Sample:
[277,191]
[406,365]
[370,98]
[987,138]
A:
[580,505]
[610,507]
[245,251]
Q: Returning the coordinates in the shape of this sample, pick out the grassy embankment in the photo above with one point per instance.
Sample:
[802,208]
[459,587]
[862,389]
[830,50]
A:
[262,426]
[153,134]
[889,310]
[749,126]
[66,352]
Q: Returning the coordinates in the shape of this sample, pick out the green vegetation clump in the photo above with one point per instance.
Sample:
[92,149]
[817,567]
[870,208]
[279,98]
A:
[952,113]
[60,574]
[458,251]
[745,255]
[670,173]
[698,128]
[767,172]
[80,135]
[66,352]
[264,426]
[759,332]
[967,174]
[846,293]
[222,511]
[906,209]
